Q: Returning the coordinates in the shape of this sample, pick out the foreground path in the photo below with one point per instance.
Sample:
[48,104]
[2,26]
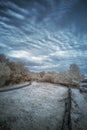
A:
[43,106]
[39,106]
[75,115]
[79,110]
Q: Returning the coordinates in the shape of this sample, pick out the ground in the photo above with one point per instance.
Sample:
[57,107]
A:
[41,106]
[79,110]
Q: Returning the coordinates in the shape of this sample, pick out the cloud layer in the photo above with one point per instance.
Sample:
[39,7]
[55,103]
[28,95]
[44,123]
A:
[45,34]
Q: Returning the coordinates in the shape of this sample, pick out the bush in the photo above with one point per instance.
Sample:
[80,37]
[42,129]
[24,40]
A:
[47,78]
[42,74]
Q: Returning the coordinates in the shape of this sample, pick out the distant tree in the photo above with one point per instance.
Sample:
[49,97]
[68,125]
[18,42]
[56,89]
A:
[74,73]
[42,74]
[48,78]
[3,58]
[5,73]
[15,72]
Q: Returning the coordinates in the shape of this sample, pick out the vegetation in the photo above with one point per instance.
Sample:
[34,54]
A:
[15,72]
[11,72]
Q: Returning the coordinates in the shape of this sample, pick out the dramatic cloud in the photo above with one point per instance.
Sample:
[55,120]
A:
[45,34]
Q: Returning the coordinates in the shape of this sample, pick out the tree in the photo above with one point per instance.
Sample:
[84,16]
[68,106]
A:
[5,73]
[74,73]
[3,59]
[12,72]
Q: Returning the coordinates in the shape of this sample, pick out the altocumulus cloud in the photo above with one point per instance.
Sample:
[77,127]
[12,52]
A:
[44,34]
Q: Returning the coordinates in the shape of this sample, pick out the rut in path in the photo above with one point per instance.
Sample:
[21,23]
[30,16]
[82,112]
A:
[66,125]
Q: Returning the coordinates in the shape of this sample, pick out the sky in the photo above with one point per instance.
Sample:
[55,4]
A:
[46,35]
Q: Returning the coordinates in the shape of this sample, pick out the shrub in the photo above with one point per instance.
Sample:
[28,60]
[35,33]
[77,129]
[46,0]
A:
[47,78]
[42,74]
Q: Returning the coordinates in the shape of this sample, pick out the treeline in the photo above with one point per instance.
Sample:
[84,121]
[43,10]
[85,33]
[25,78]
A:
[15,72]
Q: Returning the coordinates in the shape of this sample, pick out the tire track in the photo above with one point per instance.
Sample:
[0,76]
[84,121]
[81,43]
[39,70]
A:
[67,125]
[15,88]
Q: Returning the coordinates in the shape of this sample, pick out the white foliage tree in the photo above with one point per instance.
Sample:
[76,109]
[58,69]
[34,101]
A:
[74,73]
[4,73]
